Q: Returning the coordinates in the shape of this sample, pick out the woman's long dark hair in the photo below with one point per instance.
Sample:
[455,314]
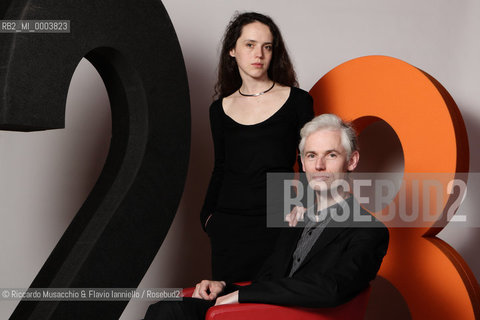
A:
[280,70]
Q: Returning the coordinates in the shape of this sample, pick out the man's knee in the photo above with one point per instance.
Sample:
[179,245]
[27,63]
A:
[189,308]
[163,310]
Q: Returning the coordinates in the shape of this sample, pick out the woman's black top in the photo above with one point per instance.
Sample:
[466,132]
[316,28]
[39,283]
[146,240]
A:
[245,153]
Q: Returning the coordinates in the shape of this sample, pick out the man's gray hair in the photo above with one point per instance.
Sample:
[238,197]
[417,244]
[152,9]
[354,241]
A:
[331,122]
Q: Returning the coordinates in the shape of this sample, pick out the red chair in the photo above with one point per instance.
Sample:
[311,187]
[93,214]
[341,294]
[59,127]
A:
[352,310]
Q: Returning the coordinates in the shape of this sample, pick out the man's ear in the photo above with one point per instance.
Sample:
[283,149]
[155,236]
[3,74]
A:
[353,161]
[303,163]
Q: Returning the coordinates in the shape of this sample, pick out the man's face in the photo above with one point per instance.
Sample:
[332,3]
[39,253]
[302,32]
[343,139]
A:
[325,159]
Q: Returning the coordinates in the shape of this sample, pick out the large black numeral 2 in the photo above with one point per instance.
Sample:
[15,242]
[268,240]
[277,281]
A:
[117,232]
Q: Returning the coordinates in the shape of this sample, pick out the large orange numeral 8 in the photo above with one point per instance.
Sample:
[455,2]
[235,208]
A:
[434,280]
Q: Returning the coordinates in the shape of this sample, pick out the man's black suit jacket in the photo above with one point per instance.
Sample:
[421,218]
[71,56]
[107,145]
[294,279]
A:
[341,263]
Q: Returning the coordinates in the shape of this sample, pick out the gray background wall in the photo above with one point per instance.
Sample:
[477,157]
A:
[46,176]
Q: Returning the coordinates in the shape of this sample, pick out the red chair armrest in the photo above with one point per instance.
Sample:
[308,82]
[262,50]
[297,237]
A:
[264,312]
[353,310]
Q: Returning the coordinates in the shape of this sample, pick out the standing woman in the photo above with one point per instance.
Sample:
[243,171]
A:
[255,125]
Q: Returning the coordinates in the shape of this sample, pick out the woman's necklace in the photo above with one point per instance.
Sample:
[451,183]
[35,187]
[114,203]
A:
[257,94]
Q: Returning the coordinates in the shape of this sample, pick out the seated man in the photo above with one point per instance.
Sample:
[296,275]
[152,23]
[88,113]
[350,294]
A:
[324,264]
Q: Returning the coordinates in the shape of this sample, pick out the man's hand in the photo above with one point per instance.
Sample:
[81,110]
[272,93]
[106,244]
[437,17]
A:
[208,289]
[295,215]
[227,299]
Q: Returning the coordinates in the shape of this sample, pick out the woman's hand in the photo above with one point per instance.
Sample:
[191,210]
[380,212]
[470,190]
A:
[295,215]
[206,221]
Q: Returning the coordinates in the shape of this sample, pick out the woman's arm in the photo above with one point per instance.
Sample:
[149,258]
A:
[216,179]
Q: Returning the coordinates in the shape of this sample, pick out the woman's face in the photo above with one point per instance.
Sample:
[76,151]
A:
[253,51]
